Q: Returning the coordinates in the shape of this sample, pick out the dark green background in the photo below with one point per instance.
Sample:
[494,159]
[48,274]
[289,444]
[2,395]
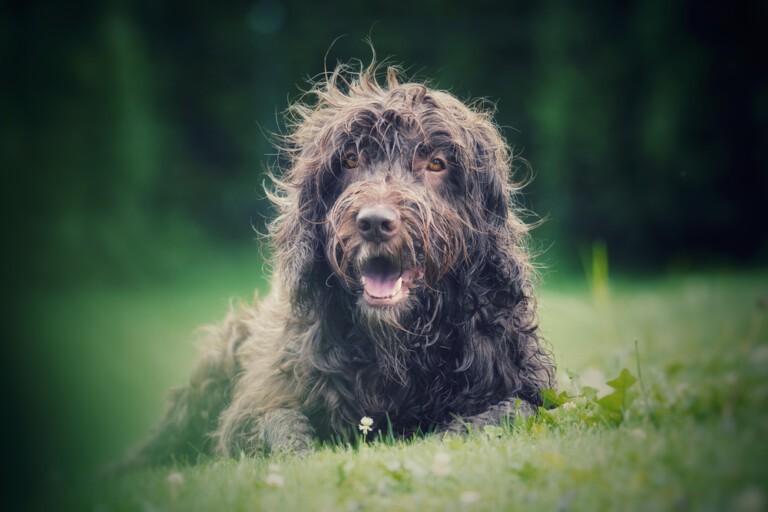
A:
[133,131]
[135,135]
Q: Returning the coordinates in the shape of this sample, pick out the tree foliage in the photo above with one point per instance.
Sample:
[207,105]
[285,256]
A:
[134,128]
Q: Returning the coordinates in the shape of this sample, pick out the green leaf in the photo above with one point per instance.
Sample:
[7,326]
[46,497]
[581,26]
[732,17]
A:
[551,398]
[589,392]
[493,431]
[527,471]
[546,417]
[624,381]
[613,402]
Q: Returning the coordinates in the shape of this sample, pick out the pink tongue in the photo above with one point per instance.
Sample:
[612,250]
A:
[381,286]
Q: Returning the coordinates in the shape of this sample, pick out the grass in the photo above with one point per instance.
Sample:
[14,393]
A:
[690,434]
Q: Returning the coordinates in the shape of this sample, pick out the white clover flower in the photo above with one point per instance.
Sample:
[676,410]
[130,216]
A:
[469,497]
[750,499]
[569,405]
[442,458]
[393,466]
[175,480]
[414,468]
[441,465]
[760,354]
[274,480]
[365,425]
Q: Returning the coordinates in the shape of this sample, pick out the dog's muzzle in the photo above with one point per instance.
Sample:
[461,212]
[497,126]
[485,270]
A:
[384,279]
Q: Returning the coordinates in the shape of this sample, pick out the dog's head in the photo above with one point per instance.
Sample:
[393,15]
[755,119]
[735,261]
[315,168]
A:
[390,189]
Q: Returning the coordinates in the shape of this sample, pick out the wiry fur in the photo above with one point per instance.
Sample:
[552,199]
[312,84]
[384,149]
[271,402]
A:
[311,359]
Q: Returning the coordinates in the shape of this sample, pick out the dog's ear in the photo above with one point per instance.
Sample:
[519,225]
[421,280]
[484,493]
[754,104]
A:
[491,162]
[297,233]
[496,192]
[499,265]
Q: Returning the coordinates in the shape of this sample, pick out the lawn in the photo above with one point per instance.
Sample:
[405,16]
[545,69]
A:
[683,428]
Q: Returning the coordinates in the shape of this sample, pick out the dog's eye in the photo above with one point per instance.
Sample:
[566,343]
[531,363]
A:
[350,161]
[436,165]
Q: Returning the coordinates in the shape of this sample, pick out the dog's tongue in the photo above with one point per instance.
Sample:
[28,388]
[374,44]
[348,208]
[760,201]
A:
[382,287]
[381,278]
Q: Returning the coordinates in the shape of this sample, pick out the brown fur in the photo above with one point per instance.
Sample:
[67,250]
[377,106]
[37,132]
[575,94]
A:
[315,356]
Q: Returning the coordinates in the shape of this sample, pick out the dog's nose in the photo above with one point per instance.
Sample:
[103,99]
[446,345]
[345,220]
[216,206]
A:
[378,223]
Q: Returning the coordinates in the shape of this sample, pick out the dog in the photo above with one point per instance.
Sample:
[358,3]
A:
[401,291]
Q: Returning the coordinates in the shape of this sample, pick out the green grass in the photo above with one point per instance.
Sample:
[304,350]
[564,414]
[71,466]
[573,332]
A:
[690,435]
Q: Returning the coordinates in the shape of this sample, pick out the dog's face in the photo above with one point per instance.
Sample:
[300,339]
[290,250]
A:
[392,228]
[403,186]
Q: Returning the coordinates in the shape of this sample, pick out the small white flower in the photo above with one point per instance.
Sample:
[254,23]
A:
[274,480]
[760,354]
[393,466]
[750,499]
[441,464]
[175,481]
[414,468]
[442,458]
[569,405]
[469,497]
[441,470]
[365,425]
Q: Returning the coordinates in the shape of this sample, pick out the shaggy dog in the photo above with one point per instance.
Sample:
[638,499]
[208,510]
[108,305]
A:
[401,288]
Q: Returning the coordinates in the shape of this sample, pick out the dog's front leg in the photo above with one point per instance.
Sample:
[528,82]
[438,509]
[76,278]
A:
[287,430]
[511,408]
[269,431]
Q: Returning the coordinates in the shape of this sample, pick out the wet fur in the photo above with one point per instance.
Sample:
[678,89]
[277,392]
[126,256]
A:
[312,358]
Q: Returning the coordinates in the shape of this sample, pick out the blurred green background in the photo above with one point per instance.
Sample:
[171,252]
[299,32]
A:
[132,129]
[135,136]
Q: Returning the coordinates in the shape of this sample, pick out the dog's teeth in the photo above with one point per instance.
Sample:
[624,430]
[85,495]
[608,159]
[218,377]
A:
[362,280]
[399,284]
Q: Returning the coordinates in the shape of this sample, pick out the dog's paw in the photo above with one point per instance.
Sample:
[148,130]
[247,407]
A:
[454,428]
[288,431]
[294,444]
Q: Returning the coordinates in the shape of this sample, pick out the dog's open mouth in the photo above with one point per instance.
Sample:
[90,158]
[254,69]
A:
[385,282]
